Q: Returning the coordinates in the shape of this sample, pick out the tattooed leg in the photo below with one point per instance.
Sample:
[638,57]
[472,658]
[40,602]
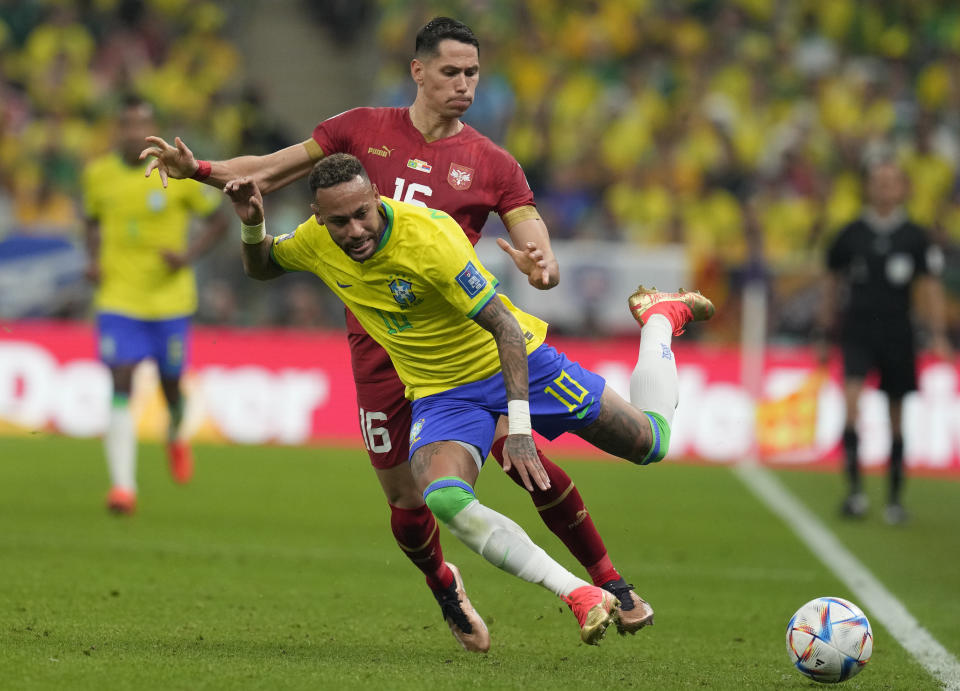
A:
[621,429]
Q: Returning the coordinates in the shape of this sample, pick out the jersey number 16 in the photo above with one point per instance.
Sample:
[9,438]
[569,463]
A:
[412,189]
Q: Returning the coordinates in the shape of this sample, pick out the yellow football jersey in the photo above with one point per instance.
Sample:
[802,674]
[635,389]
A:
[139,220]
[416,295]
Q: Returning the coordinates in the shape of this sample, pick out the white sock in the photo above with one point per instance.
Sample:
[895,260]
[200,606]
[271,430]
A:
[504,544]
[654,385]
[120,444]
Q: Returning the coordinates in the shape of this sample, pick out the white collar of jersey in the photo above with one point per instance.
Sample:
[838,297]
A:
[885,224]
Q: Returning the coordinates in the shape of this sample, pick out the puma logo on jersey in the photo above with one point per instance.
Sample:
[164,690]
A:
[382,151]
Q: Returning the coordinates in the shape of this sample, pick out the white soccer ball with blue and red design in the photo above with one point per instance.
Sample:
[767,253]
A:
[829,639]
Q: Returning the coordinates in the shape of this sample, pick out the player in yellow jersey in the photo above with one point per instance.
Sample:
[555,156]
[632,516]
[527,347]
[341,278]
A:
[467,356]
[426,155]
[140,251]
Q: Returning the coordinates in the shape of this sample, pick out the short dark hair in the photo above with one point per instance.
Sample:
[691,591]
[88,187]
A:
[439,29]
[334,170]
[129,101]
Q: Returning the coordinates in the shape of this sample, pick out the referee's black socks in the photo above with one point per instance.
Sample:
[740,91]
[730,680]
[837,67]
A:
[851,443]
[896,469]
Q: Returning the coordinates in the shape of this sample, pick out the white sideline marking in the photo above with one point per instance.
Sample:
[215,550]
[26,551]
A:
[870,592]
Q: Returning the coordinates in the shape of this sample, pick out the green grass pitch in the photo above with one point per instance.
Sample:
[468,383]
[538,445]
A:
[275,569]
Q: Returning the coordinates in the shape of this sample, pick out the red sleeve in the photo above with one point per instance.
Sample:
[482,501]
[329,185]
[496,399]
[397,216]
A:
[515,191]
[333,135]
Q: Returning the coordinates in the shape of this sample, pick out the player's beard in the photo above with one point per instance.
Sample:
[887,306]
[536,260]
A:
[130,152]
[362,249]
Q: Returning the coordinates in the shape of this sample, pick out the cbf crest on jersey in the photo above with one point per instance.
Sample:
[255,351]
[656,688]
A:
[402,292]
[157,200]
[460,176]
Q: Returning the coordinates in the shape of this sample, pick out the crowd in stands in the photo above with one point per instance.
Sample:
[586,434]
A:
[738,128]
[67,65]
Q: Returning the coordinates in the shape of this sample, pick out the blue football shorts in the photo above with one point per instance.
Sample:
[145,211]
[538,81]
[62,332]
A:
[564,396]
[126,341]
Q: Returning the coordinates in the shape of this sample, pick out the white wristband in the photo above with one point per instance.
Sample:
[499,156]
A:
[253,235]
[518,417]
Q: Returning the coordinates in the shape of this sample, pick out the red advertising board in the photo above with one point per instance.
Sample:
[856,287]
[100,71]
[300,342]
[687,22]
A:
[295,387]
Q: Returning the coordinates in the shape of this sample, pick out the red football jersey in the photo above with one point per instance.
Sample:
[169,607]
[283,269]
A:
[465,175]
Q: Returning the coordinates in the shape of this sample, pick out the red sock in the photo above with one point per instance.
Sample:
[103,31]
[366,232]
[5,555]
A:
[677,313]
[561,508]
[603,572]
[417,533]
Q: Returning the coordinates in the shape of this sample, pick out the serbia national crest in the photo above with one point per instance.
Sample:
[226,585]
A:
[460,176]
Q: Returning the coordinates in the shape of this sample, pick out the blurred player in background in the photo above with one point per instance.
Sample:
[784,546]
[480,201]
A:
[137,238]
[425,155]
[467,357]
[876,260]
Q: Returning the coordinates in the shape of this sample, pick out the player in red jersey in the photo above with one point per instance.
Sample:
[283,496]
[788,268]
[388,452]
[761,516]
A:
[426,155]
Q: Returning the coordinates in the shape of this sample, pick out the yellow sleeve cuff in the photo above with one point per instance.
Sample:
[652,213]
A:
[521,213]
[313,149]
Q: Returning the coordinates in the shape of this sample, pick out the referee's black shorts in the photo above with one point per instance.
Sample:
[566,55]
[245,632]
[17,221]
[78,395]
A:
[888,351]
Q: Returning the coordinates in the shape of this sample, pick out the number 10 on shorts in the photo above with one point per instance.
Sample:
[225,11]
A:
[375,437]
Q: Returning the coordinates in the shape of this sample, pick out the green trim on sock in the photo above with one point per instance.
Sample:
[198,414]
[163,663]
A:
[661,438]
[120,400]
[448,496]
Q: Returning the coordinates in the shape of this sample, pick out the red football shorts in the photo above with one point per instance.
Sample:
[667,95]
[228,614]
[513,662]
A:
[384,413]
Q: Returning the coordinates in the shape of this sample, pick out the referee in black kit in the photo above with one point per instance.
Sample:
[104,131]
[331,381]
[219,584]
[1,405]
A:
[873,265]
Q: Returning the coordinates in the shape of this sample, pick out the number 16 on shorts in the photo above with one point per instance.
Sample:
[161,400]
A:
[376,437]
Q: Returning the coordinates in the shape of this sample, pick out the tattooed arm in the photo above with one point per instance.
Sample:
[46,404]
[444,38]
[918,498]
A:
[519,449]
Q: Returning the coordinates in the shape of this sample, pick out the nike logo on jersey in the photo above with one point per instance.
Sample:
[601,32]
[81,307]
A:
[344,285]
[583,413]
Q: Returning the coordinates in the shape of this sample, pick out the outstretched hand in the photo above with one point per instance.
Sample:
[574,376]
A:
[246,198]
[176,162]
[520,451]
[174,260]
[530,261]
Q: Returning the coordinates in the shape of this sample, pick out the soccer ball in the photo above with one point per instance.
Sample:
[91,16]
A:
[829,639]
